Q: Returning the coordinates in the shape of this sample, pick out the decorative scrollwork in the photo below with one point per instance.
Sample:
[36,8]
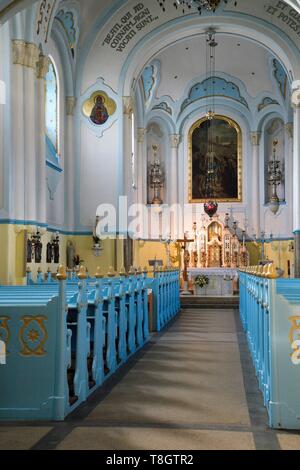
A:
[4,330]
[33,336]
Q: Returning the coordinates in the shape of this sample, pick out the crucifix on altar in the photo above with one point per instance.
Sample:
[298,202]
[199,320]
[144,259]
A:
[186,260]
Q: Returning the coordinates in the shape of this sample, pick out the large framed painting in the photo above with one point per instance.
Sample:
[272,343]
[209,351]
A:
[215,160]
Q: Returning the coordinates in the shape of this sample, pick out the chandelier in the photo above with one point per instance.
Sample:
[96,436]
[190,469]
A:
[201,5]
[274,179]
[211,206]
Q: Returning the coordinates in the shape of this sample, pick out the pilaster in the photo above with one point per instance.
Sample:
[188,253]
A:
[255,138]
[69,162]
[142,165]
[295,101]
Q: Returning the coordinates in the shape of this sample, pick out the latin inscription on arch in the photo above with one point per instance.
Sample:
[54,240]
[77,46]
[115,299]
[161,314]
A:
[128,26]
[286,14]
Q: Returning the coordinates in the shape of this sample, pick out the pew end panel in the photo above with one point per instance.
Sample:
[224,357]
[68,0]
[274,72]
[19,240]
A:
[284,405]
[30,387]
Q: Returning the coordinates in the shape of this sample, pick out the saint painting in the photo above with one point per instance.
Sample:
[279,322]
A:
[215,161]
[99,114]
[99,108]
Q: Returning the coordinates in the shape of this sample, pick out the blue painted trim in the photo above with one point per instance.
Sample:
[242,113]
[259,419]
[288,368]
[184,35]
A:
[53,166]
[68,232]
[270,240]
[21,222]
[296,232]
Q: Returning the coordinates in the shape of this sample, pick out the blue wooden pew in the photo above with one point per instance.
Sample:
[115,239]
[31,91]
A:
[65,338]
[270,314]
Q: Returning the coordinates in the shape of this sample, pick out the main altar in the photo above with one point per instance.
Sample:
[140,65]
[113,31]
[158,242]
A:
[214,253]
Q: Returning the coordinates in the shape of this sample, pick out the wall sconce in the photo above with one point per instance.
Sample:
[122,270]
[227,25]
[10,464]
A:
[291,247]
[274,180]
[97,246]
[156,177]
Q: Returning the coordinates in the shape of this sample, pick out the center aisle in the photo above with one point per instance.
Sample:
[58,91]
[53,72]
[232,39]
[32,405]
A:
[186,391]
[192,387]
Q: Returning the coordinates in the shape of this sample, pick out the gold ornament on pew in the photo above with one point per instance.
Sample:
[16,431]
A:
[99,274]
[111,272]
[145,270]
[61,273]
[139,271]
[272,274]
[122,272]
[132,271]
[28,270]
[265,270]
[82,273]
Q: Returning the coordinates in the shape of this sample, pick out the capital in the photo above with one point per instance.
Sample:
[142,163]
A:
[295,99]
[42,66]
[174,140]
[289,127]
[32,54]
[25,53]
[18,52]
[141,132]
[128,105]
[255,138]
[70,105]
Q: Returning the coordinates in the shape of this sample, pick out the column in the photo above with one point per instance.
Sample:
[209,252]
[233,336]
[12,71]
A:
[173,192]
[128,107]
[41,195]
[296,175]
[255,140]
[142,166]
[175,229]
[288,163]
[69,162]
[30,158]
[17,120]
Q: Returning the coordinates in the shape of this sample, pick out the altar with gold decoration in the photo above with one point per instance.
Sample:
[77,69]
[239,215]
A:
[215,252]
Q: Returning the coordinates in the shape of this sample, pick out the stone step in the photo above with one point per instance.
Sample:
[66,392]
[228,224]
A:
[209,302]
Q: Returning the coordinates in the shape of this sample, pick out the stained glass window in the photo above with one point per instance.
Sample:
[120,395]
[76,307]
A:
[52,108]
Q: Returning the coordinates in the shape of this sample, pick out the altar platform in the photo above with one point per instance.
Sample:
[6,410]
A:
[223,282]
[209,303]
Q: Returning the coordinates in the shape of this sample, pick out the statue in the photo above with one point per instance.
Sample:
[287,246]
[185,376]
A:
[38,251]
[70,255]
[29,251]
[99,114]
[49,253]
[56,251]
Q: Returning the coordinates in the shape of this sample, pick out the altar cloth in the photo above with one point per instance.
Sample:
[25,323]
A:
[220,281]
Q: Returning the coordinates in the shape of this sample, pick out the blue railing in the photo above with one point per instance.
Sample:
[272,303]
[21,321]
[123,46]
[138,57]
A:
[270,313]
[65,338]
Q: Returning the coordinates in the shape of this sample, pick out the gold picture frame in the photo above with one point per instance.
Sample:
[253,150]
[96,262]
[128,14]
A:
[234,125]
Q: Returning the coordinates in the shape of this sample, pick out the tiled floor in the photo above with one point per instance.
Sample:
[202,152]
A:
[192,387]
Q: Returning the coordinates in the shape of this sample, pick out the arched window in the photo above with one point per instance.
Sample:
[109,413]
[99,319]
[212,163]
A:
[51,118]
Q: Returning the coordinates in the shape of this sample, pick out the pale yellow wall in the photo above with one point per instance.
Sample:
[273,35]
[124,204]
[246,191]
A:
[7,254]
[12,254]
[13,266]
[279,252]
[147,250]
[254,253]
